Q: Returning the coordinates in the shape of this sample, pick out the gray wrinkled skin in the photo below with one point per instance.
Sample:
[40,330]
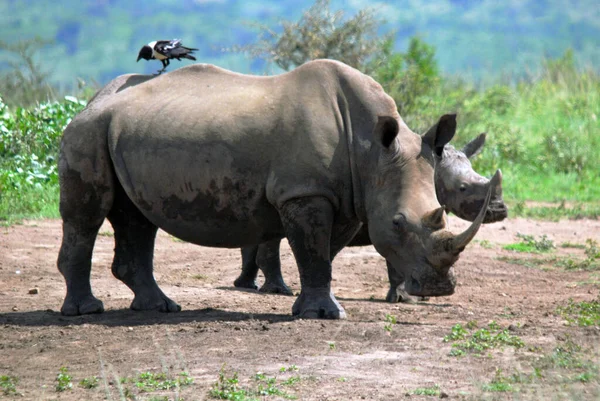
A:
[458,187]
[229,160]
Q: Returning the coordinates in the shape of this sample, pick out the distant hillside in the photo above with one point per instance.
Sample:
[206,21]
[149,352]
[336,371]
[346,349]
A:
[99,39]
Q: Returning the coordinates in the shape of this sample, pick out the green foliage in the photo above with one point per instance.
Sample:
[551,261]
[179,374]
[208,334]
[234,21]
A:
[63,380]
[581,313]
[229,388]
[408,77]
[29,145]
[390,321]
[148,381]
[478,341]
[319,33]
[432,390]
[500,383]
[9,384]
[89,382]
[530,244]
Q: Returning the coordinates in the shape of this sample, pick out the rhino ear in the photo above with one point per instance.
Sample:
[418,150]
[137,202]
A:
[441,133]
[386,130]
[474,147]
[436,219]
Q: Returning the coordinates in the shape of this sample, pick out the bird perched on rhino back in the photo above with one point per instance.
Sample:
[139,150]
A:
[165,50]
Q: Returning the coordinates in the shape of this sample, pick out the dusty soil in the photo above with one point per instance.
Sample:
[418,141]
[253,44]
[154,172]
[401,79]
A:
[247,332]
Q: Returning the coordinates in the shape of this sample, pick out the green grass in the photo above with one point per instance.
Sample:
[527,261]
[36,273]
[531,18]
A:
[530,245]
[148,381]
[432,390]
[8,384]
[582,313]
[228,387]
[467,340]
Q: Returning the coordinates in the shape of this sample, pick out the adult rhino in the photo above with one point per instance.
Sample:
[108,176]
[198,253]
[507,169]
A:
[459,188]
[229,160]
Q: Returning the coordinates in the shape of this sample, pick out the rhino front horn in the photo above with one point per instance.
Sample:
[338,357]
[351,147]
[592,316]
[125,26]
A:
[460,241]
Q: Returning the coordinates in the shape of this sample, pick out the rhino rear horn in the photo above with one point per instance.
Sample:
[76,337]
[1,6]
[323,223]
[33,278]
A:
[461,240]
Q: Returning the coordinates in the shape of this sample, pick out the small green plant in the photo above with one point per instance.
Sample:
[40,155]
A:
[530,244]
[486,244]
[149,381]
[581,313]
[480,340]
[89,382]
[9,384]
[228,388]
[390,321]
[331,345]
[500,383]
[63,380]
[432,390]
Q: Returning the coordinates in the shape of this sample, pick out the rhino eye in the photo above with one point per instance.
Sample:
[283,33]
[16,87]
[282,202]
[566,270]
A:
[399,221]
[463,187]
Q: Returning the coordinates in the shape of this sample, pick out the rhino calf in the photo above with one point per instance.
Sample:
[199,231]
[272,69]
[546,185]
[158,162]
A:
[459,188]
[184,151]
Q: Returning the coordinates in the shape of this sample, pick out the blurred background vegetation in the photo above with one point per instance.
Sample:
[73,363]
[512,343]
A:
[520,71]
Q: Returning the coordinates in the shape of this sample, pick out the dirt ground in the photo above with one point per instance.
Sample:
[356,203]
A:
[245,332]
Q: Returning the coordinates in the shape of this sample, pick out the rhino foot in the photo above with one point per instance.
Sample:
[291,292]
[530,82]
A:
[244,282]
[398,294]
[275,287]
[317,304]
[85,306]
[161,304]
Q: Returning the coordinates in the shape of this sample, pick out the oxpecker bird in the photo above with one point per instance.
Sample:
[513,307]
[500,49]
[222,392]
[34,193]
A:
[165,50]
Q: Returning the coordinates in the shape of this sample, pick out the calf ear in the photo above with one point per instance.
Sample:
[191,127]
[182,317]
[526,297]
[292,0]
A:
[441,133]
[386,130]
[474,147]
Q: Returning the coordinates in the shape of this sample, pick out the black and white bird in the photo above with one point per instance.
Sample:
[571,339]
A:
[165,50]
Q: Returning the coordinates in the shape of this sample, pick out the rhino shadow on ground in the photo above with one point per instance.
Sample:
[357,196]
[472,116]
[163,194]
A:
[130,318]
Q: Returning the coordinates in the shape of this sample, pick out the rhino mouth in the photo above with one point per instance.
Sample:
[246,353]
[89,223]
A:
[497,211]
[431,285]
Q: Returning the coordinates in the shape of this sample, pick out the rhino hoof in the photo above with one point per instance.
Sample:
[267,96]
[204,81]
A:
[165,305]
[317,304]
[275,288]
[86,306]
[242,282]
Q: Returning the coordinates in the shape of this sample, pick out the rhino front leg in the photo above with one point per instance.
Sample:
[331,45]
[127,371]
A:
[247,278]
[268,259]
[308,225]
[134,254]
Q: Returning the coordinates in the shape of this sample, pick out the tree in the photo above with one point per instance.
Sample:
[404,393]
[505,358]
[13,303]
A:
[320,33]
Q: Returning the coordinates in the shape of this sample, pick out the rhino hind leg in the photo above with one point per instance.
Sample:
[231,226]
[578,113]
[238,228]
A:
[247,278]
[266,257]
[75,264]
[308,225]
[86,196]
[268,260]
[134,253]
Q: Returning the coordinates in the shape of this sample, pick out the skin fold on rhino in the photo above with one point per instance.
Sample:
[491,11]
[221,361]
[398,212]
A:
[185,152]
[458,187]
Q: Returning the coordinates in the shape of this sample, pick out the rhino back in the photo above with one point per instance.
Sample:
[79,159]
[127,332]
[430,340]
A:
[202,151]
